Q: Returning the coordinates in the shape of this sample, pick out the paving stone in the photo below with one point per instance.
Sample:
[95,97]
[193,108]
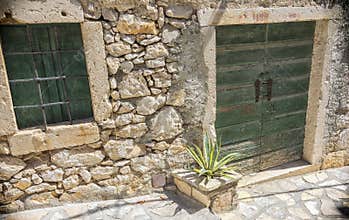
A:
[307,196]
[277,212]
[56,215]
[336,194]
[136,213]
[294,198]
[166,211]
[330,183]
[313,207]
[342,176]
[291,218]
[316,192]
[230,216]
[266,201]
[321,176]
[288,186]
[341,187]
[299,212]
[300,183]
[243,194]
[247,210]
[283,196]
[329,208]
[273,187]
[311,178]
[264,216]
[204,214]
[287,197]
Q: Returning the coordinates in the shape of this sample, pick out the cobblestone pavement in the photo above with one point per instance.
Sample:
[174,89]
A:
[169,206]
[319,195]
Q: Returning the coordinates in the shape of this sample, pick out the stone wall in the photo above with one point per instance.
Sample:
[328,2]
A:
[336,151]
[158,91]
[157,94]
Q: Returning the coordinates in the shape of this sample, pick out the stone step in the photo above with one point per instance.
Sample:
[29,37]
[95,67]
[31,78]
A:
[293,168]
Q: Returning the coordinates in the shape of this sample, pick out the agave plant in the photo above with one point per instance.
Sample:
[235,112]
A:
[208,160]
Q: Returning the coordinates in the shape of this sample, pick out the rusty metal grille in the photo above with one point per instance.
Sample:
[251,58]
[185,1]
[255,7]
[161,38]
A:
[43,49]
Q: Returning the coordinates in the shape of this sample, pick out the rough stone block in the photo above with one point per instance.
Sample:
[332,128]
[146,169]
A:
[130,24]
[126,148]
[166,124]
[9,166]
[158,180]
[133,85]
[77,157]
[29,141]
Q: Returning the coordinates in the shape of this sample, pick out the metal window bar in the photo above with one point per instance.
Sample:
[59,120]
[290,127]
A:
[38,79]
[44,79]
[43,66]
[39,106]
[46,105]
[65,93]
[36,75]
[39,52]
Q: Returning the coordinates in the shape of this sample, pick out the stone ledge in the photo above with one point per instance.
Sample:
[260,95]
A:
[215,17]
[29,141]
[289,169]
[48,11]
[217,193]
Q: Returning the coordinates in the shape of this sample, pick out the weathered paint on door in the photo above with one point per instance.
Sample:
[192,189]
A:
[262,91]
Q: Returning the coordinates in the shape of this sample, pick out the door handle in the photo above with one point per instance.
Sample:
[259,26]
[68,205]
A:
[257,87]
[269,89]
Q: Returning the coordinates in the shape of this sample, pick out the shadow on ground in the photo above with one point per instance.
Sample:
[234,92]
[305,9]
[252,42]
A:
[118,209]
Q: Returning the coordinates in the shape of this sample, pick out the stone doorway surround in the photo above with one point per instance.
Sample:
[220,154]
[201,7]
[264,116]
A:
[315,128]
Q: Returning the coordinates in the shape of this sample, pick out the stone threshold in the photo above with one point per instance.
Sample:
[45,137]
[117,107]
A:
[294,168]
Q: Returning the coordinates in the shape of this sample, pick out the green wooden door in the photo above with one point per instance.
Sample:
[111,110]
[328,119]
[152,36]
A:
[262,83]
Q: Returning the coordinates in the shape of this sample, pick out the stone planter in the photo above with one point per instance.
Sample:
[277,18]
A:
[217,194]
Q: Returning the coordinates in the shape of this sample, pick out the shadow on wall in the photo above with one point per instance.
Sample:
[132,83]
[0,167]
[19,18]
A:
[193,79]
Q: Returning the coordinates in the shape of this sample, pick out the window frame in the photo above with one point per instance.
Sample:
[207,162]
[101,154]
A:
[56,55]
[27,141]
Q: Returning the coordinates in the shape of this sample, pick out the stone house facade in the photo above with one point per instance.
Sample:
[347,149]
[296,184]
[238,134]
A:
[151,69]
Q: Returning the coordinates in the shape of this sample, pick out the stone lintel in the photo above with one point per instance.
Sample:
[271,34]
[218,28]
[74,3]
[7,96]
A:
[215,17]
[63,136]
[7,116]
[48,11]
[92,35]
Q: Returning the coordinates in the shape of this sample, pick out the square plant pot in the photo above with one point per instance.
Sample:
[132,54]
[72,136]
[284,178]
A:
[217,193]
